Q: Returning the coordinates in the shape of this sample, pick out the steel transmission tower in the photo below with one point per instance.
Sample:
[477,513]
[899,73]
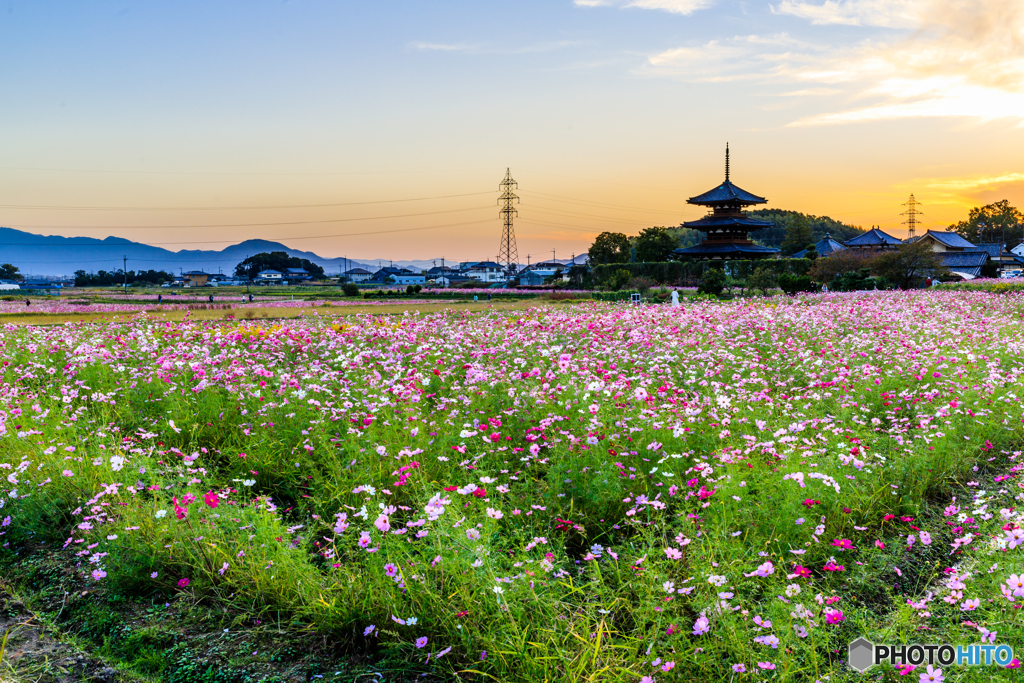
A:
[911,213]
[507,252]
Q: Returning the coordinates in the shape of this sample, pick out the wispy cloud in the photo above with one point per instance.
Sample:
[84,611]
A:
[675,6]
[888,13]
[983,182]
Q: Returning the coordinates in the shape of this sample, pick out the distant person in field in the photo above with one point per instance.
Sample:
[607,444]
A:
[28,302]
[211,298]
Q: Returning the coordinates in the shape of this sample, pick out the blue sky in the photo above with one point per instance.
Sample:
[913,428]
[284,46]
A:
[839,107]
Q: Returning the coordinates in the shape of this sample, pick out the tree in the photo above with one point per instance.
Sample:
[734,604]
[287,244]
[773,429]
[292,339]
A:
[997,222]
[908,264]
[825,270]
[712,282]
[619,279]
[798,236]
[763,280]
[276,260]
[609,247]
[10,272]
[781,220]
[655,245]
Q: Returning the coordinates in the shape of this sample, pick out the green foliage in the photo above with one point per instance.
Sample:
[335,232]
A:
[10,271]
[618,279]
[763,280]
[909,264]
[276,260]
[655,245]
[689,273]
[609,247]
[713,281]
[819,225]
[350,289]
[118,277]
[996,222]
[791,284]
[798,235]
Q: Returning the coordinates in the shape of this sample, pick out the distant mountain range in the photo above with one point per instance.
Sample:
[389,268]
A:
[59,256]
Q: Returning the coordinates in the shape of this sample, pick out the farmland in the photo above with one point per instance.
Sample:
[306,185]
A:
[576,491]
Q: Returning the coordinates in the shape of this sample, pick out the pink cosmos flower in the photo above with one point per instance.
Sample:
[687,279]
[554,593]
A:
[1015,584]
[768,666]
[932,675]
[906,669]
[182,583]
[701,626]
[926,538]
[834,616]
[98,574]
[211,499]
[764,570]
[843,543]
[739,668]
[421,642]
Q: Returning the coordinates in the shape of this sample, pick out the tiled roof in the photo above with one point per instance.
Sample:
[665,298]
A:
[873,237]
[710,248]
[969,262]
[711,222]
[949,239]
[726,193]
[825,247]
[993,249]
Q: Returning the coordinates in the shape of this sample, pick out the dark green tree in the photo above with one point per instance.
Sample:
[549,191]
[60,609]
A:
[798,236]
[609,247]
[712,282]
[10,272]
[996,222]
[909,264]
[276,260]
[781,220]
[655,245]
[763,280]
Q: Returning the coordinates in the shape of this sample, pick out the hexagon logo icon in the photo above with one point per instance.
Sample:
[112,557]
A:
[861,655]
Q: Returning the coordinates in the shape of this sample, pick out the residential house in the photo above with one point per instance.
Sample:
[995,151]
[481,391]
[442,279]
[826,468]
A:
[195,278]
[410,278]
[296,275]
[356,275]
[535,276]
[388,275]
[486,271]
[269,277]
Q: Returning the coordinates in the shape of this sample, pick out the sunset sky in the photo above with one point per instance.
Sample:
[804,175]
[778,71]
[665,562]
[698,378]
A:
[180,123]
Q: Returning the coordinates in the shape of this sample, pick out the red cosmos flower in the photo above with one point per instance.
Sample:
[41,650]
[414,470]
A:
[833,567]
[479,493]
[462,613]
[811,503]
[451,488]
[211,499]
[800,570]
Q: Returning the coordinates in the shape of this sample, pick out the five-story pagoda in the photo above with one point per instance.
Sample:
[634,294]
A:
[727,225]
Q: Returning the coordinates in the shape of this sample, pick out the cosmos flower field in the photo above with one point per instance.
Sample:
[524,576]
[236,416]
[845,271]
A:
[722,491]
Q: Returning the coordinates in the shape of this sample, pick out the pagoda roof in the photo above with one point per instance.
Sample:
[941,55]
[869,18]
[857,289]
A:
[723,248]
[713,221]
[726,193]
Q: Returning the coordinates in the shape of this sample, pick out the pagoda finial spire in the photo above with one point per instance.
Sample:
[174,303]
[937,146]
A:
[727,162]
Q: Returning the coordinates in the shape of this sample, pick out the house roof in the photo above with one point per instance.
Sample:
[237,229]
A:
[268,272]
[969,262]
[825,247]
[197,272]
[873,237]
[297,270]
[484,264]
[726,193]
[994,249]
[949,239]
[357,271]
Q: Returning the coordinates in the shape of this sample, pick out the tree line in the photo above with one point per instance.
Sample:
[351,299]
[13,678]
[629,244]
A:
[118,277]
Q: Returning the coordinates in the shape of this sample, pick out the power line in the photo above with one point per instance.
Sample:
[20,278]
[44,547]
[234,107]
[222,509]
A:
[612,206]
[239,225]
[230,208]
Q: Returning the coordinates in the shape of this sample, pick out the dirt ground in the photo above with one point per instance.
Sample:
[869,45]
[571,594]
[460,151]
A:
[32,652]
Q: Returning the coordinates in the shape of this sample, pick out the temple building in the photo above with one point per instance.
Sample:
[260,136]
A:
[727,225]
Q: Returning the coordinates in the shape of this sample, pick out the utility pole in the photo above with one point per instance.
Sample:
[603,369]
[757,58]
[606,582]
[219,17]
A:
[124,271]
[911,213]
[507,248]
[444,273]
